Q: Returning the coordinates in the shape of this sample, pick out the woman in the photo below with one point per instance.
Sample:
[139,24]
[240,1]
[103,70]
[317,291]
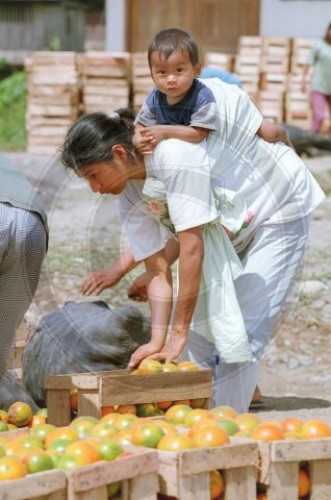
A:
[319,59]
[280,194]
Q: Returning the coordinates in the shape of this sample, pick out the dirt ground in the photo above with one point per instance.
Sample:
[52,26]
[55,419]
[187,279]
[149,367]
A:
[86,234]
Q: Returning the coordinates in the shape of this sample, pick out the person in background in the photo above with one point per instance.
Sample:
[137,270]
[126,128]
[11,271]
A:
[23,246]
[181,106]
[319,59]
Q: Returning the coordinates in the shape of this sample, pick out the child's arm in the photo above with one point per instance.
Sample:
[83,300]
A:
[272,132]
[146,138]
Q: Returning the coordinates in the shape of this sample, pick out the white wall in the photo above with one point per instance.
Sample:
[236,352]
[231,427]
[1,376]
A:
[295,18]
[115,25]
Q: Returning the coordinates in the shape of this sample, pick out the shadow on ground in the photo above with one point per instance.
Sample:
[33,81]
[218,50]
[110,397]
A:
[288,403]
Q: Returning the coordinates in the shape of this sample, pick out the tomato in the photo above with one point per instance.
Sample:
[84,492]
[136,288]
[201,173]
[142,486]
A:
[175,442]
[147,435]
[81,448]
[103,431]
[224,411]
[19,414]
[176,414]
[109,450]
[37,420]
[229,426]
[71,462]
[304,483]
[37,461]
[12,468]
[210,436]
[267,432]
[187,366]
[59,433]
[125,421]
[216,484]
[149,366]
[313,429]
[197,415]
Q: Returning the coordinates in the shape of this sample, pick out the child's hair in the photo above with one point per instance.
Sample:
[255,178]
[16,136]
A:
[90,139]
[173,39]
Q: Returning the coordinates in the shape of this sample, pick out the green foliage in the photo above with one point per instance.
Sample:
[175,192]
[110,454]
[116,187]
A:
[12,112]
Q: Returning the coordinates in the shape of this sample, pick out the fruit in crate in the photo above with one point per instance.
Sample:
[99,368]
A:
[19,414]
[315,429]
[177,414]
[216,484]
[175,443]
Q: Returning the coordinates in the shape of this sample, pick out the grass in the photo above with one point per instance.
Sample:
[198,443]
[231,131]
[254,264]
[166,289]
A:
[12,113]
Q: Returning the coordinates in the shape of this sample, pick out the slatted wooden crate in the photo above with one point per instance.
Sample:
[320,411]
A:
[185,474]
[52,99]
[16,353]
[219,60]
[142,82]
[271,105]
[50,485]
[280,462]
[250,45]
[300,50]
[136,470]
[105,81]
[297,109]
[97,390]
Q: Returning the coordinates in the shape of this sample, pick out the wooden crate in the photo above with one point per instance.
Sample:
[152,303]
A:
[142,82]
[105,80]
[250,45]
[185,474]
[279,467]
[219,60]
[271,105]
[137,471]
[297,109]
[300,51]
[53,93]
[48,485]
[96,390]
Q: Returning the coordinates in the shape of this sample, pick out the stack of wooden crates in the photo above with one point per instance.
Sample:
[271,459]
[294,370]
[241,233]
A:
[52,99]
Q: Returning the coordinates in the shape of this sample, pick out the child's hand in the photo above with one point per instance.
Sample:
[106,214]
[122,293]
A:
[143,140]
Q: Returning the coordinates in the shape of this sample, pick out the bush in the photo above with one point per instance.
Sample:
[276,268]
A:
[12,112]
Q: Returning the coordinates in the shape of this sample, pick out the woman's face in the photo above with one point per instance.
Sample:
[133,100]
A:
[108,177]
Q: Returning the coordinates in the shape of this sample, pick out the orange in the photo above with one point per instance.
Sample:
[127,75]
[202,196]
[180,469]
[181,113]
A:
[200,424]
[224,411]
[216,484]
[126,409]
[210,436]
[267,432]
[196,415]
[147,435]
[229,426]
[3,426]
[109,450]
[276,423]
[37,420]
[186,402]
[149,366]
[247,421]
[37,461]
[110,418]
[81,448]
[2,451]
[11,468]
[105,410]
[177,413]
[60,445]
[175,442]
[304,483]
[42,411]
[19,414]
[313,429]
[187,366]
[66,432]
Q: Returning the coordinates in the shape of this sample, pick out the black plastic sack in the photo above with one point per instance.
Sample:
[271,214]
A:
[82,337]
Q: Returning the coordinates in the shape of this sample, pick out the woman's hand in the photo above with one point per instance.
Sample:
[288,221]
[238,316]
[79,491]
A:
[143,352]
[97,281]
[173,348]
[138,290]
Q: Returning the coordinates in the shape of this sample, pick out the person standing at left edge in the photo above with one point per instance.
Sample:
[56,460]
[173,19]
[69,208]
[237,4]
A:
[23,246]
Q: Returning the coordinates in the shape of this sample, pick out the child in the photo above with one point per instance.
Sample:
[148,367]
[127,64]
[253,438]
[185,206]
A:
[180,106]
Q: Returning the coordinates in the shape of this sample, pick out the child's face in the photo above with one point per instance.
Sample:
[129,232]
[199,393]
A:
[173,76]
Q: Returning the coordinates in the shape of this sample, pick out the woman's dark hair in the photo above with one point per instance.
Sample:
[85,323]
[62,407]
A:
[173,39]
[91,138]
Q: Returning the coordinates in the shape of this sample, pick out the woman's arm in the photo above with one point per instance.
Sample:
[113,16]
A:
[272,132]
[159,291]
[97,281]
